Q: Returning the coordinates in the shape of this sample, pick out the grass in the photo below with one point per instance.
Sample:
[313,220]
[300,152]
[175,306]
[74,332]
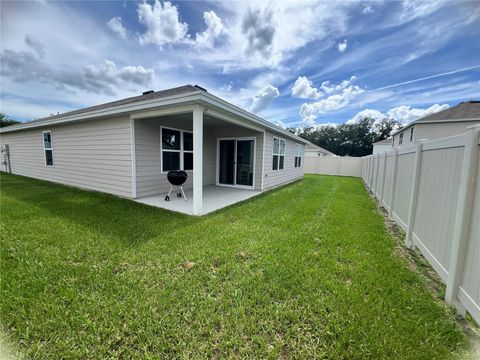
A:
[306,271]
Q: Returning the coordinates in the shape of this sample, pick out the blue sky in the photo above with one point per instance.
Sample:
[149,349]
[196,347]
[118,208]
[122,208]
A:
[293,63]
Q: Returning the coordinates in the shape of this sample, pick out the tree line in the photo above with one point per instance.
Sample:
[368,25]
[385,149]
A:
[349,139]
[6,121]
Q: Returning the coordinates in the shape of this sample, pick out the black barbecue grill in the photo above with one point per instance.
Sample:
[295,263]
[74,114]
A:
[176,178]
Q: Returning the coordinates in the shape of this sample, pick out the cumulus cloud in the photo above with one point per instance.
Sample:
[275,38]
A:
[115,24]
[405,114]
[105,78]
[162,22]
[259,28]
[304,89]
[215,28]
[342,46]
[367,113]
[264,98]
[37,46]
[335,97]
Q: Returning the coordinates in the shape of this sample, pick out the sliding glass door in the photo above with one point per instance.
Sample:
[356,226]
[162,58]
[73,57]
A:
[236,162]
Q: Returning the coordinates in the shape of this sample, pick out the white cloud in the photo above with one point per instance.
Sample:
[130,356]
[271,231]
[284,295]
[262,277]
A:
[413,8]
[303,89]
[340,95]
[35,44]
[105,78]
[369,113]
[162,22]
[342,46]
[227,87]
[405,114]
[264,98]
[259,27]
[215,28]
[115,24]
[367,10]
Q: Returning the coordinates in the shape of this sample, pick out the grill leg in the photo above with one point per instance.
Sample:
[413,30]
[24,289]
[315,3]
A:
[171,188]
[183,192]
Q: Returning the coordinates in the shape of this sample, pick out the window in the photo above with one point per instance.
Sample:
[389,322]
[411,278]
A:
[411,134]
[176,149]
[400,140]
[298,155]
[48,148]
[278,154]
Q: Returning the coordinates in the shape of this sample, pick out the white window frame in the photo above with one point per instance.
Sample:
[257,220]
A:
[411,134]
[298,154]
[45,148]
[182,151]
[279,154]
[400,138]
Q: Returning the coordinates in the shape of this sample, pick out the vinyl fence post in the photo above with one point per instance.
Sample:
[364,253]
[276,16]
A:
[372,172]
[417,168]
[383,176]
[463,218]
[394,183]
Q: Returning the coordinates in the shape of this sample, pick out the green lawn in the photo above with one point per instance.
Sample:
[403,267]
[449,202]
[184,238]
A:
[305,271]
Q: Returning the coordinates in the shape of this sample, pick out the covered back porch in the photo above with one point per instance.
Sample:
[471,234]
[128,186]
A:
[222,155]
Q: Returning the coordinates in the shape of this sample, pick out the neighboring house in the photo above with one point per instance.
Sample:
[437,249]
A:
[312,150]
[126,148]
[382,146]
[452,121]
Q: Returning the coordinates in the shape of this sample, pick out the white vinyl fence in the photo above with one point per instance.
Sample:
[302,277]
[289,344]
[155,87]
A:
[334,165]
[432,190]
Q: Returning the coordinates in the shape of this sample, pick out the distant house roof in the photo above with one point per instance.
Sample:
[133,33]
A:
[387,141]
[465,111]
[313,147]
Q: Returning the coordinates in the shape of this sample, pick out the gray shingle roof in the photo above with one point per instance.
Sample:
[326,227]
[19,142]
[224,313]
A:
[467,110]
[130,100]
[463,111]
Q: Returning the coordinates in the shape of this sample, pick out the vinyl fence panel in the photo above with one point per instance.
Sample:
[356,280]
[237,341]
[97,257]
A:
[432,190]
[334,165]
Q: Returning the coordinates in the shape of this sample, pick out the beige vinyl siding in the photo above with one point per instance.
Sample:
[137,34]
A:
[94,155]
[150,179]
[431,131]
[290,173]
[440,130]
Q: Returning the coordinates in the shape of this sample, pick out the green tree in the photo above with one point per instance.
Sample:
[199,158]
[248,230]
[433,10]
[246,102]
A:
[349,139]
[6,121]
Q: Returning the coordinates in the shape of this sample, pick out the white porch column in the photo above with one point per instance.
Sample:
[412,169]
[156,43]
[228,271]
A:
[197,160]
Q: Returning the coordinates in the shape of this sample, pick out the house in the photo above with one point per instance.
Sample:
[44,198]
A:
[312,150]
[452,121]
[127,147]
[382,146]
